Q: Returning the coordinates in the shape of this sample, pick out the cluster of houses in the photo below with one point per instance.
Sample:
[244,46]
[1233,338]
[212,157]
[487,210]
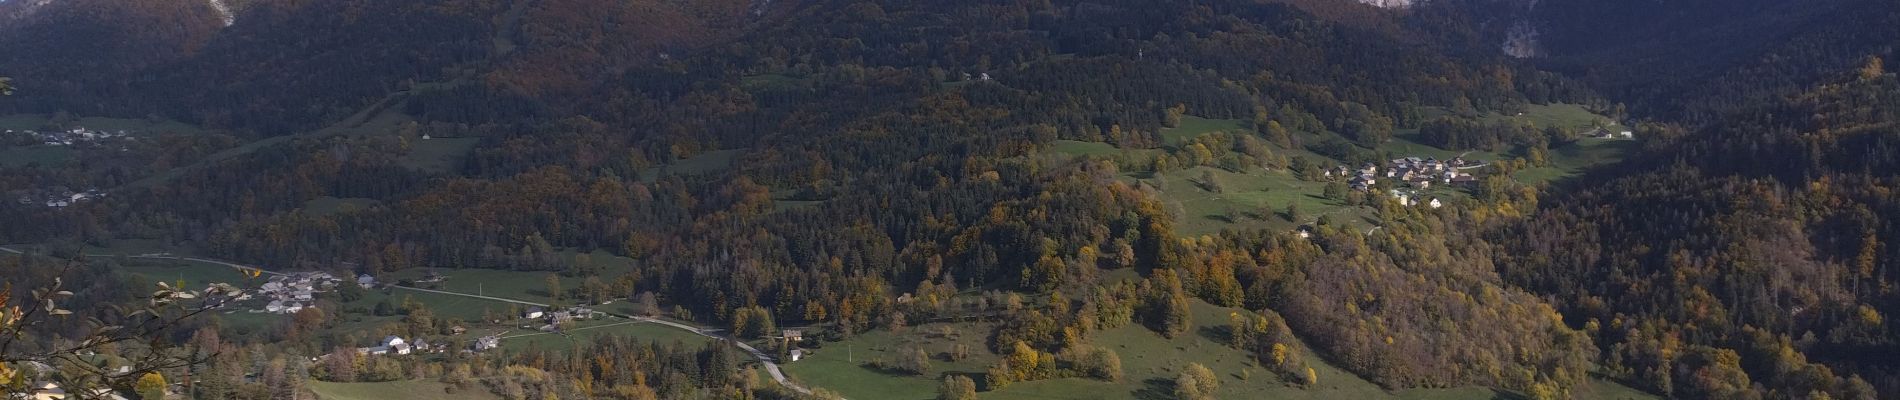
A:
[1408,198]
[292,292]
[1420,173]
[58,197]
[396,345]
[1600,133]
[553,320]
[69,137]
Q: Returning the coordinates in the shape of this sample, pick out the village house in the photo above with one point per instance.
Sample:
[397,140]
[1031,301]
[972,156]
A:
[1405,199]
[393,344]
[792,335]
[365,281]
[1364,182]
[533,313]
[487,343]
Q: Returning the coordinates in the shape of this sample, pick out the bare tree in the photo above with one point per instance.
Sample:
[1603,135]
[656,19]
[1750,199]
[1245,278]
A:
[139,333]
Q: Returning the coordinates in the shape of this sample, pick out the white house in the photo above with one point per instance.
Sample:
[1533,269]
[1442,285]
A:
[1435,203]
[365,281]
[533,313]
[395,344]
[274,307]
[48,391]
[797,354]
[487,343]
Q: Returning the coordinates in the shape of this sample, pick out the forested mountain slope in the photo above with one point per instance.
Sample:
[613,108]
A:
[291,66]
[857,165]
[1699,60]
[1765,234]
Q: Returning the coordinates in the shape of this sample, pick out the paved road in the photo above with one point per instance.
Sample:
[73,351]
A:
[771,367]
[571,330]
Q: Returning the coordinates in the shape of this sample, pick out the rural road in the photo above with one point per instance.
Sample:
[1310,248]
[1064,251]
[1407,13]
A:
[771,367]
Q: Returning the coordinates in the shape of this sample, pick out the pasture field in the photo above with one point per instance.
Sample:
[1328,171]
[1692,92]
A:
[43,156]
[324,206]
[1256,199]
[37,121]
[1192,126]
[439,155]
[703,163]
[1150,363]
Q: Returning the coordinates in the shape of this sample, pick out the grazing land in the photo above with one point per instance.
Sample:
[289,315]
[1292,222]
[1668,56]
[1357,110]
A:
[703,163]
[324,206]
[44,156]
[1149,362]
[439,155]
[584,334]
[1574,158]
[41,121]
[1192,126]
[1255,198]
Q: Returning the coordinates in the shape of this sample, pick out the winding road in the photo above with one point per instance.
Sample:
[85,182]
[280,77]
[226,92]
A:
[771,367]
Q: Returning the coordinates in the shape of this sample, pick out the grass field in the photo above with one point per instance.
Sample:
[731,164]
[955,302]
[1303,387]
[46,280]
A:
[1205,212]
[585,333]
[44,156]
[439,155]
[1149,363]
[327,205]
[194,274]
[1192,126]
[37,121]
[410,390]
[1081,148]
[1240,205]
[1573,159]
[1568,116]
[704,163]
[765,82]
[522,285]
